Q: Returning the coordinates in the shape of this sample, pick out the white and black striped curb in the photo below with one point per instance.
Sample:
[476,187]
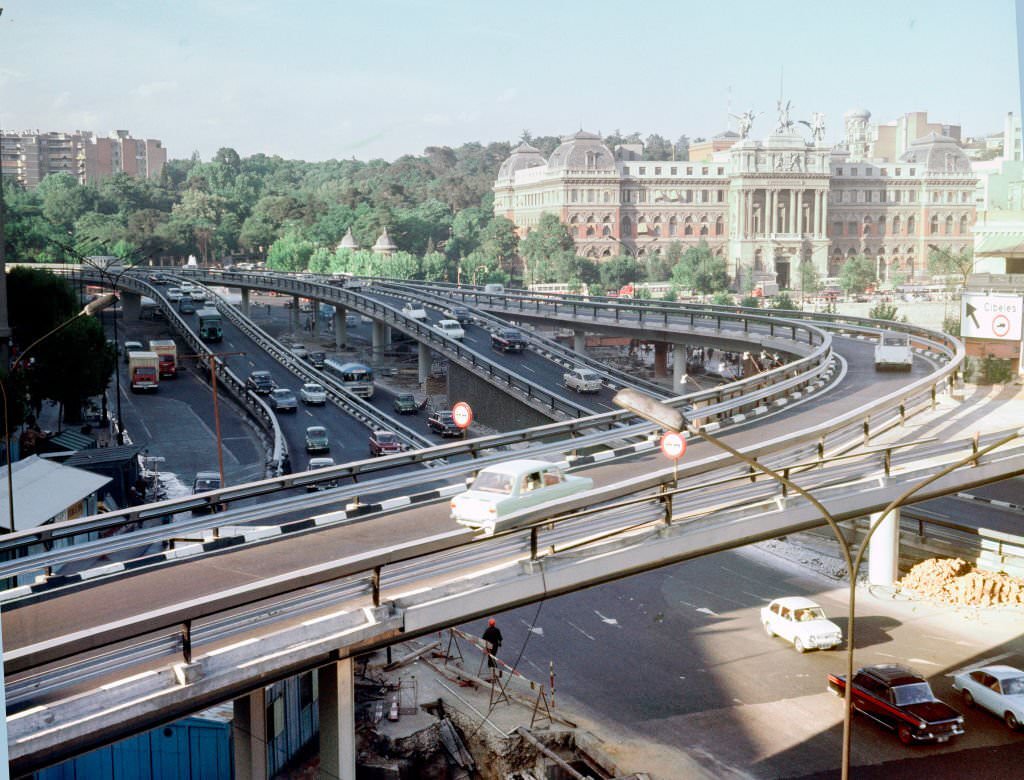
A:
[992,501]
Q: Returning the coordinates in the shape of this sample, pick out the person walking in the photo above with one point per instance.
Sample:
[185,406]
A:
[492,637]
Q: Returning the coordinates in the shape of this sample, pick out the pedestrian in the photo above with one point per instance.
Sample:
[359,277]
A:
[492,638]
[268,309]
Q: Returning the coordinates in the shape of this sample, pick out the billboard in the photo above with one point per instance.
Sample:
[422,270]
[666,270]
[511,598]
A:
[991,316]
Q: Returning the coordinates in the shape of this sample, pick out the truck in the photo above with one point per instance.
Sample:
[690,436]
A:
[582,380]
[167,351]
[508,340]
[210,328]
[144,370]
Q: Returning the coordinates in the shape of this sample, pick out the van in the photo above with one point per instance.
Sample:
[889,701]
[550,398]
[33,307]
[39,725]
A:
[494,288]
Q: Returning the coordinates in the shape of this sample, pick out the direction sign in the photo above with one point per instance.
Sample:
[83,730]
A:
[991,316]
[673,445]
[462,414]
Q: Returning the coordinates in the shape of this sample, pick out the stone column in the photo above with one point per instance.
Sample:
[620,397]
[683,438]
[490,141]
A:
[337,712]
[816,229]
[381,339]
[800,213]
[249,735]
[314,324]
[295,313]
[770,225]
[824,214]
[340,327]
[245,302]
[425,360]
[660,359]
[793,214]
[884,549]
[579,342]
[678,368]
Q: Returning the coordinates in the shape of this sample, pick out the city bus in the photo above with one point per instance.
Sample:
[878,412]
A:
[357,378]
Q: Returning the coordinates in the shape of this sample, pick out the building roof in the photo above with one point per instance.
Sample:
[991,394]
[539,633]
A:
[86,458]
[384,243]
[43,489]
[523,156]
[938,154]
[70,440]
[582,151]
[348,241]
[860,113]
[999,244]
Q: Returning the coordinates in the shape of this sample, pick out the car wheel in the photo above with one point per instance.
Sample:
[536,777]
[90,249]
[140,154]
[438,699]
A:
[968,698]
[799,646]
[1011,721]
[768,630]
[905,735]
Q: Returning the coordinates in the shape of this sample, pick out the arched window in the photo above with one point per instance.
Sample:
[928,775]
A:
[606,230]
[719,226]
[590,232]
[867,226]
[607,197]
[688,227]
[911,226]
[591,253]
[590,219]
[606,253]
[673,226]
[574,219]
[758,260]
[703,226]
[935,226]
[895,226]
[949,225]
[963,225]
[656,231]
[881,226]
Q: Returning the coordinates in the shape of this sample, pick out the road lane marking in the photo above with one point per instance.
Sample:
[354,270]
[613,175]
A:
[707,611]
[980,662]
[588,636]
[608,620]
[531,628]
[922,661]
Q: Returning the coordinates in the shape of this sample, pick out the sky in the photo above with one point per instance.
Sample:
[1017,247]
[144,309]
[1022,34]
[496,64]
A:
[321,79]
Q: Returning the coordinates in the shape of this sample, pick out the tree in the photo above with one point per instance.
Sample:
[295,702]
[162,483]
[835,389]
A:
[883,311]
[699,269]
[543,248]
[857,274]
[810,281]
[64,201]
[290,252]
[619,271]
[722,298]
[750,302]
[783,301]
[943,262]
[435,267]
[467,228]
[657,148]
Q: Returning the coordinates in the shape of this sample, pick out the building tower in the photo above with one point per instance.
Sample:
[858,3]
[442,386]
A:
[857,132]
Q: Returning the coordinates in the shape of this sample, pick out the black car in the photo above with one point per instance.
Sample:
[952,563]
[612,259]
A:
[508,340]
[462,315]
[442,423]
[317,359]
[902,700]
[260,382]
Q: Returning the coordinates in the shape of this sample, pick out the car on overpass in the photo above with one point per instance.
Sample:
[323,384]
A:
[405,403]
[460,314]
[384,443]
[260,382]
[582,380]
[320,463]
[450,328]
[802,623]
[504,488]
[443,424]
[313,393]
[317,439]
[283,400]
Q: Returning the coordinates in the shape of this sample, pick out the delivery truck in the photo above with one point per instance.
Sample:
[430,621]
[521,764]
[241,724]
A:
[167,351]
[210,328]
[144,370]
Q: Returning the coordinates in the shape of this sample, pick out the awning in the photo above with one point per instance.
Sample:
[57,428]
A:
[43,489]
[1000,244]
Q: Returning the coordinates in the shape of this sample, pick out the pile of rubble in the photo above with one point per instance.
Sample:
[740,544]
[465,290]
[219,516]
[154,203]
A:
[955,581]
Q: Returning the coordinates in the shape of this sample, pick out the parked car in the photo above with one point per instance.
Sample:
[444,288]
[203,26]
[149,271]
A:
[451,328]
[442,423]
[405,403]
[320,463]
[384,443]
[260,382]
[317,359]
[174,294]
[998,689]
[313,393]
[508,487]
[461,314]
[132,346]
[283,400]
[582,380]
[801,622]
[901,700]
[299,350]
[204,482]
[316,439]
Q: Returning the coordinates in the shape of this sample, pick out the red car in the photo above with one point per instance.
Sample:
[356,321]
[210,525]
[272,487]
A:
[384,443]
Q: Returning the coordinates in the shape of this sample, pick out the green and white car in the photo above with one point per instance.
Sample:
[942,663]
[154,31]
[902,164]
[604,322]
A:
[505,488]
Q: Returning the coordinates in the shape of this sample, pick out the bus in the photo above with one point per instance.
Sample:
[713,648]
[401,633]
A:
[210,328]
[357,378]
[655,290]
[560,288]
[893,351]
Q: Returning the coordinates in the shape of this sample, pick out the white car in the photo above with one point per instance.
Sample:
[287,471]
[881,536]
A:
[508,487]
[451,328]
[582,380]
[299,350]
[174,294]
[198,294]
[313,393]
[802,622]
[414,311]
[998,689]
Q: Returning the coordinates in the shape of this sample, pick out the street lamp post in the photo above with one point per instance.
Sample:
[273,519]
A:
[90,309]
[663,415]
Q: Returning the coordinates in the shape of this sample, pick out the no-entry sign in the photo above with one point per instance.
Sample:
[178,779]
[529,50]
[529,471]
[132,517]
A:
[462,414]
[673,445]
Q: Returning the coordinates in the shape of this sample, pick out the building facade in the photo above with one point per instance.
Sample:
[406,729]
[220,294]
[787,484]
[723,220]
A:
[764,206]
[29,157]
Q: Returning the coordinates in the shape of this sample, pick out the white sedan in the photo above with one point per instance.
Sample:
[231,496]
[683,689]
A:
[313,393]
[802,622]
[451,328]
[998,689]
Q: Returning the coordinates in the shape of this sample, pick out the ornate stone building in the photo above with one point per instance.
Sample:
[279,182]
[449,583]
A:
[764,206]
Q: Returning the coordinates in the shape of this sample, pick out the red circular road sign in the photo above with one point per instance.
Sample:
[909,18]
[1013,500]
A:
[673,445]
[462,414]
[1000,325]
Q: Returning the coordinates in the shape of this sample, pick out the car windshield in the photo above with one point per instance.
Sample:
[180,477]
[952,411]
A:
[312,388]
[283,394]
[445,417]
[316,433]
[203,485]
[810,613]
[406,398]
[387,438]
[491,482]
[1013,686]
[914,693]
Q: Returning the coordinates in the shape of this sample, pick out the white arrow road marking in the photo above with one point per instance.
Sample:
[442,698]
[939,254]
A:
[588,636]
[922,661]
[535,629]
[608,620]
[707,611]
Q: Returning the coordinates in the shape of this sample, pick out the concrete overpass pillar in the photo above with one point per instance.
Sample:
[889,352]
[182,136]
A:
[314,323]
[249,735]
[660,359]
[381,338]
[678,367]
[295,313]
[579,341]
[340,328]
[884,549]
[337,720]
[245,301]
[426,358]
[131,305]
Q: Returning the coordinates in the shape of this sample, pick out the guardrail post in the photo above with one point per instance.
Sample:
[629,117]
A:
[903,415]
[666,499]
[785,487]
[821,450]
[934,399]
[186,641]
[975,441]
[866,425]
[375,584]
[753,471]
[533,543]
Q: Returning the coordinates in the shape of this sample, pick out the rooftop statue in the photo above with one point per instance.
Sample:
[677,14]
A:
[817,125]
[785,123]
[746,121]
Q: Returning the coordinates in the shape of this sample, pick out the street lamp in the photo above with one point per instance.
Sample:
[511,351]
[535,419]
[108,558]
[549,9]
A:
[665,416]
[92,308]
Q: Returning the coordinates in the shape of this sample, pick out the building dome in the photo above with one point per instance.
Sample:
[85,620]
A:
[582,151]
[857,113]
[348,241]
[523,156]
[384,245]
[938,154]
